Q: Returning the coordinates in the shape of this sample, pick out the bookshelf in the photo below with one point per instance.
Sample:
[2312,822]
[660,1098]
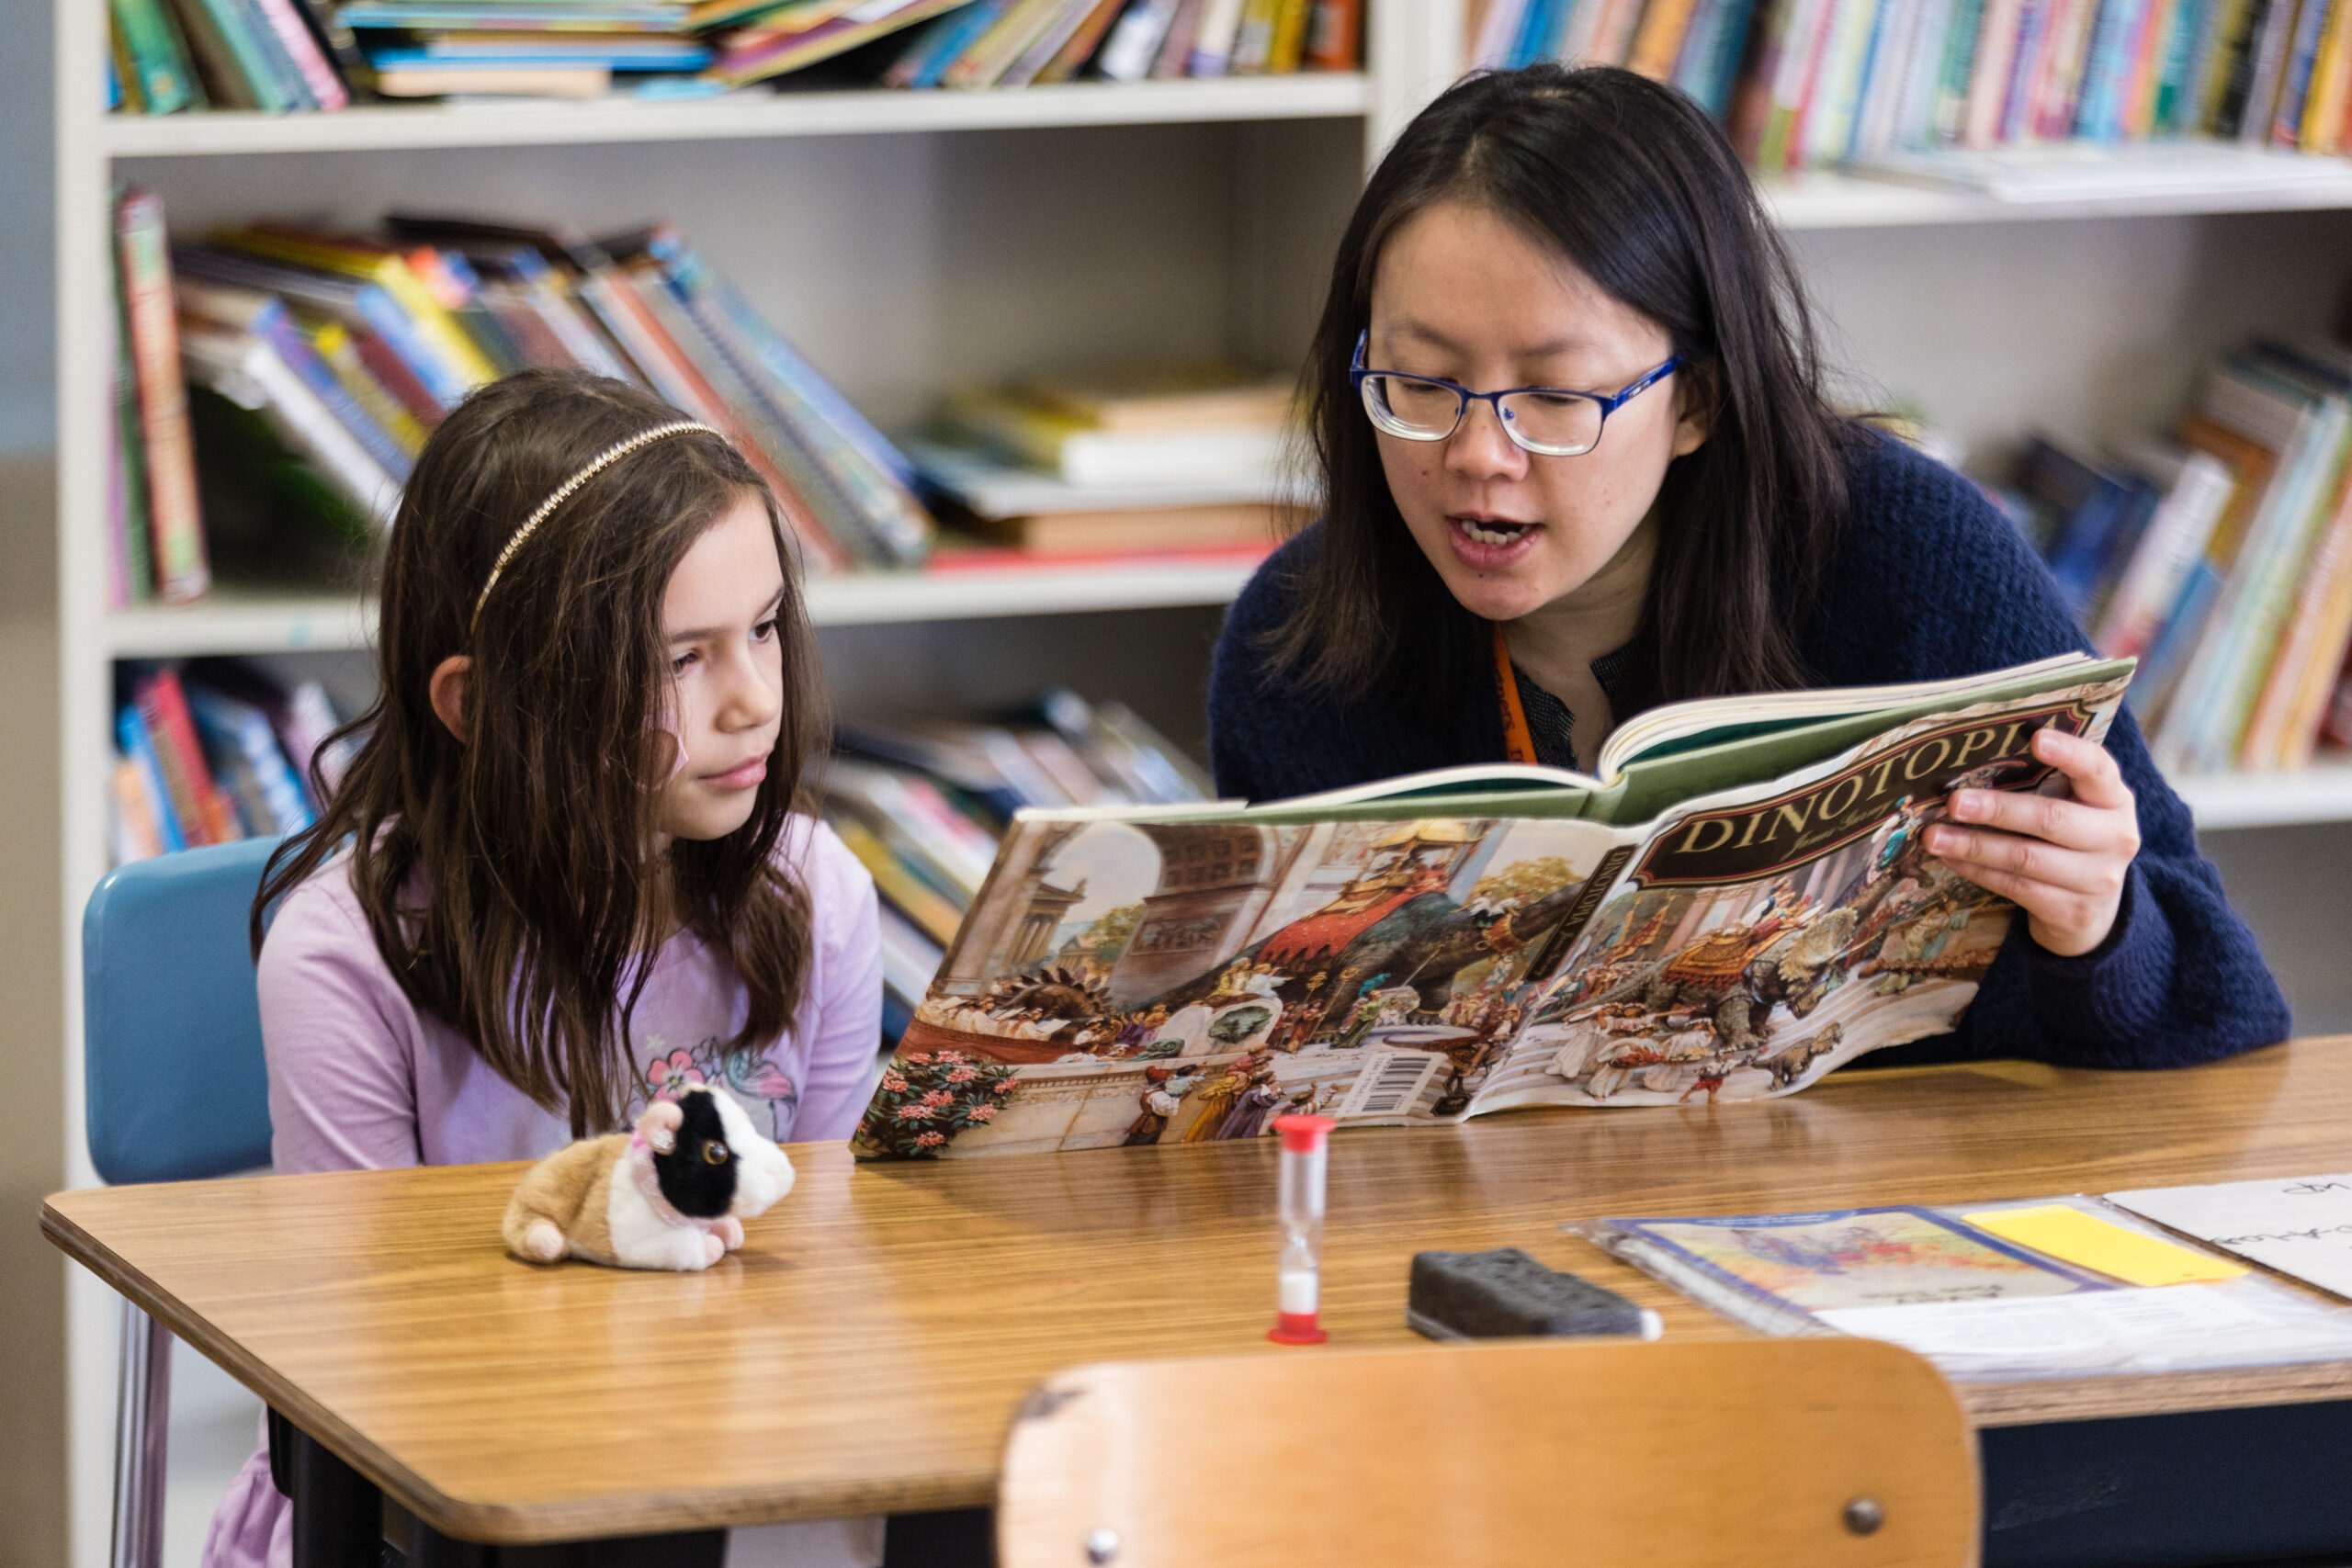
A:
[909,241]
[1306,95]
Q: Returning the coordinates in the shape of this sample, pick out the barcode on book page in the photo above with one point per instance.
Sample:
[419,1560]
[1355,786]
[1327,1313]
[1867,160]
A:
[1390,1084]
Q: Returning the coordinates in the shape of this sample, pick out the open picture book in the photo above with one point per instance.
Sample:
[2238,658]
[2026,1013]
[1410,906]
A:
[1736,902]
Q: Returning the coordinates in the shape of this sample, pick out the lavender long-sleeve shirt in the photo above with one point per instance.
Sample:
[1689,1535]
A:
[360,1080]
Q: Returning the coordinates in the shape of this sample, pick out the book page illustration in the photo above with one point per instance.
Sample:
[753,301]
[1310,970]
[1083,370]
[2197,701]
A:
[1124,983]
[1768,936]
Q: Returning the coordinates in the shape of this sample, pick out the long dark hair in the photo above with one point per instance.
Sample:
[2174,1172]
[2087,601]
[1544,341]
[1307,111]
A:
[1632,183]
[507,879]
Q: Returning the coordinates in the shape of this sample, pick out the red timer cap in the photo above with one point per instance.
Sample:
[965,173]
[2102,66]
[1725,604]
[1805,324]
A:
[1304,1134]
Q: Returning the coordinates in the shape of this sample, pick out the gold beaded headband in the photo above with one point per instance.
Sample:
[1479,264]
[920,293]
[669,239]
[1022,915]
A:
[563,492]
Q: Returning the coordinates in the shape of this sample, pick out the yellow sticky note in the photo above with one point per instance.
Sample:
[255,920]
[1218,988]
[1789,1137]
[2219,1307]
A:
[2073,1237]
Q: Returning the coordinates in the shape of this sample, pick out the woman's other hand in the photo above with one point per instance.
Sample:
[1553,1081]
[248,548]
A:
[2063,862]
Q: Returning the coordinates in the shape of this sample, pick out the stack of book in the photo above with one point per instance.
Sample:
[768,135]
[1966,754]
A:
[214,753]
[922,804]
[280,382]
[1021,43]
[1150,459]
[2221,558]
[273,55]
[1808,82]
[282,55]
[563,48]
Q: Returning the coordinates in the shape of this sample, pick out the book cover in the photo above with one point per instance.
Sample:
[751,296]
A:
[266,316]
[2196,488]
[2267,69]
[1085,43]
[133,527]
[1175,58]
[371,263]
[152,800]
[227,59]
[1134,40]
[2203,726]
[2295,79]
[353,300]
[1213,44]
[1253,40]
[1334,35]
[1988,80]
[182,570]
[1657,42]
[204,814]
[1735,903]
[2321,131]
[801,403]
[161,72]
[1047,45]
[238,735]
[1898,1255]
[319,81]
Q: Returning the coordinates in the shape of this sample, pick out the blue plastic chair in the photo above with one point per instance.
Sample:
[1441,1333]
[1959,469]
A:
[176,1091]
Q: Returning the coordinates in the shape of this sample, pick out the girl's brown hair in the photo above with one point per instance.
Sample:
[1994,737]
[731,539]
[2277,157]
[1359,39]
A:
[507,878]
[1630,181]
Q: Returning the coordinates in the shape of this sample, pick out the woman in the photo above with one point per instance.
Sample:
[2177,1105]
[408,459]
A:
[1667,508]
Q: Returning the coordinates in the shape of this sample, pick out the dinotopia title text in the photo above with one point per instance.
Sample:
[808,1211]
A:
[1773,835]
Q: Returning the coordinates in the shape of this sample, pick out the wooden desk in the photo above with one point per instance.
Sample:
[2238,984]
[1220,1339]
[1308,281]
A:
[866,1350]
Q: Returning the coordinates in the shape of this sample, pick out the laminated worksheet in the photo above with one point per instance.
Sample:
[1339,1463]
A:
[2299,1225]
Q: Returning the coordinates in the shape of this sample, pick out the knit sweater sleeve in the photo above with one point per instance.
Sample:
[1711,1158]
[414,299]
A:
[1934,582]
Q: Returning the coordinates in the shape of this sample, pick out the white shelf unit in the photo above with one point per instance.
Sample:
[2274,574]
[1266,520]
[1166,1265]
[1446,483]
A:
[747,114]
[239,619]
[912,240]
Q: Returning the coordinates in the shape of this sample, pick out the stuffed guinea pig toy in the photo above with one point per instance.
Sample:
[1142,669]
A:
[673,1194]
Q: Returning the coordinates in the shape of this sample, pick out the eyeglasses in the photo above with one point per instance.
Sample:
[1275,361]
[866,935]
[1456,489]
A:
[1547,421]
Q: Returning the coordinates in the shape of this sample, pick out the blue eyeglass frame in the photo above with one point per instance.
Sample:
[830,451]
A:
[1609,404]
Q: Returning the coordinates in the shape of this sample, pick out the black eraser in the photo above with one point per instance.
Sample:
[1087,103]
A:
[1507,1294]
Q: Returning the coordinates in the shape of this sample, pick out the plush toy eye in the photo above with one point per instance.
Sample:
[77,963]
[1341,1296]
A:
[714,1152]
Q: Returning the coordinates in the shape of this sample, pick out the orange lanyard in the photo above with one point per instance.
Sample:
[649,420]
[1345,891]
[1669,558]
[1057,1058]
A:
[1517,742]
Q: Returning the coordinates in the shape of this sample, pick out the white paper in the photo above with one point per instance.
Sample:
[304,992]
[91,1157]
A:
[2086,1324]
[2248,1322]
[2298,1225]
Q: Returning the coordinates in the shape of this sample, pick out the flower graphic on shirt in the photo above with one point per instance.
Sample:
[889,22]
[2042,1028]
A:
[756,1078]
[668,1077]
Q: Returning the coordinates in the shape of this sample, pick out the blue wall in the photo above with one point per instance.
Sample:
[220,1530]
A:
[27,207]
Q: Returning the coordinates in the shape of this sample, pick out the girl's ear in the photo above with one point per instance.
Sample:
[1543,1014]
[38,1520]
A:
[1694,398]
[447,690]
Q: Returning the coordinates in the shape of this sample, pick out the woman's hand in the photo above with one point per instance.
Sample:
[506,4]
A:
[2063,862]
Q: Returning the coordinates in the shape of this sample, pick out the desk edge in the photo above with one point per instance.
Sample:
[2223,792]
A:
[495,1524]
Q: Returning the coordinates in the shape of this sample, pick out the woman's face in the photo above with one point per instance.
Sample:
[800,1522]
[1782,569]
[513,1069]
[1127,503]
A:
[1464,295]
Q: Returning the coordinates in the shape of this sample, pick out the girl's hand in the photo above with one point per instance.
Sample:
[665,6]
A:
[2063,862]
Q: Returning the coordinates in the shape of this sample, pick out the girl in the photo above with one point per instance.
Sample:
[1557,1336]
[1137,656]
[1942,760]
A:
[564,875]
[1570,414]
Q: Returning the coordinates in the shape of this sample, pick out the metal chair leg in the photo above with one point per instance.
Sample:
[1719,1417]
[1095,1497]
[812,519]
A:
[142,1427]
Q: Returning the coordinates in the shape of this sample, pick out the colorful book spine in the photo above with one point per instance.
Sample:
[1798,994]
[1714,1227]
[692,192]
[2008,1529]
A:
[1334,35]
[164,78]
[151,798]
[204,813]
[176,515]
[128,552]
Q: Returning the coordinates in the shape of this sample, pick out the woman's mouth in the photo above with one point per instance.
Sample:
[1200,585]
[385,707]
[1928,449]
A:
[1489,544]
[742,775]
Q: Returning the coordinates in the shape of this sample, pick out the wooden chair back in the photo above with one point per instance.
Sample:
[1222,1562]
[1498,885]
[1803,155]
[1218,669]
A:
[1807,1452]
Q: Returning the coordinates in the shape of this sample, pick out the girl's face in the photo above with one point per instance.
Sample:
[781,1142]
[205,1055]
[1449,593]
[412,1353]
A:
[727,673]
[1463,295]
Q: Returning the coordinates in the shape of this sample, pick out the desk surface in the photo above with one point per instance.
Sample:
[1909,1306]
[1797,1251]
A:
[866,1350]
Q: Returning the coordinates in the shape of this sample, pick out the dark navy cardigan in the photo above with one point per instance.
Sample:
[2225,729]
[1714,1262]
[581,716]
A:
[1930,582]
